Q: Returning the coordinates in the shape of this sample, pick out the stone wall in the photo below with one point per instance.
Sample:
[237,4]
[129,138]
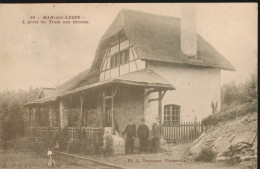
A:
[129,103]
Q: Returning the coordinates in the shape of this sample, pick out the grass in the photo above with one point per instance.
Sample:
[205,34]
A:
[230,112]
[26,160]
[206,155]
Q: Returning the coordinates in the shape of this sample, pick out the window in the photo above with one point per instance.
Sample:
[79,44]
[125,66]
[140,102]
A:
[172,114]
[112,60]
[119,58]
[124,56]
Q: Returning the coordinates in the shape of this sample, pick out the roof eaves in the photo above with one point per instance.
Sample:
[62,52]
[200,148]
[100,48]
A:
[231,68]
[41,101]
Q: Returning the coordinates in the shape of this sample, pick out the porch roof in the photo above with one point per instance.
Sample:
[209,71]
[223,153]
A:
[40,101]
[144,78]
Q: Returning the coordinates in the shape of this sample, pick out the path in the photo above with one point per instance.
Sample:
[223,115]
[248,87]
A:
[162,161]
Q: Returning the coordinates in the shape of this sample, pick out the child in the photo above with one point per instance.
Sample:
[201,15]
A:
[51,162]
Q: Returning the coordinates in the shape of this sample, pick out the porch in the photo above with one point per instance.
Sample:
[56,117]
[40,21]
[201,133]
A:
[88,109]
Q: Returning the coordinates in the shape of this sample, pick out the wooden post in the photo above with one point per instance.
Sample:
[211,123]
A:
[28,109]
[160,97]
[50,116]
[81,107]
[104,108]
[112,111]
[28,112]
[160,106]
[34,116]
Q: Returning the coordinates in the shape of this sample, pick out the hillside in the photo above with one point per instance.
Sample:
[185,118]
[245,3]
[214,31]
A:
[230,137]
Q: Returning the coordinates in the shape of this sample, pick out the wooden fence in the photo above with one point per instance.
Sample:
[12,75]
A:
[90,133]
[183,133]
[43,131]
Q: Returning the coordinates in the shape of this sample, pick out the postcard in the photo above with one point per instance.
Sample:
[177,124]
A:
[127,85]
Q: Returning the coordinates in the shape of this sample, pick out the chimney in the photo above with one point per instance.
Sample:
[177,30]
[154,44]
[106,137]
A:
[188,30]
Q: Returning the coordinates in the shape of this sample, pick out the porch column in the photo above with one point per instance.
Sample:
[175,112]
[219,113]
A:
[112,111]
[28,112]
[160,106]
[28,109]
[104,109]
[81,107]
[160,97]
[153,105]
[113,93]
[63,115]
[50,116]
[34,115]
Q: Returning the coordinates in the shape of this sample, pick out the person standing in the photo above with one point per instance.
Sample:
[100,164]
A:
[130,131]
[143,134]
[157,133]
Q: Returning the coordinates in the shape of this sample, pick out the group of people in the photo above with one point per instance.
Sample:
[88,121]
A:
[143,134]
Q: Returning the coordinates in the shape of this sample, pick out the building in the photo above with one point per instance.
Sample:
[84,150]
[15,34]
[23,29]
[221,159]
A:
[145,66]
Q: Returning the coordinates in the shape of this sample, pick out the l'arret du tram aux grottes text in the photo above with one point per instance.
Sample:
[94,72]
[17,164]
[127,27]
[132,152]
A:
[55,20]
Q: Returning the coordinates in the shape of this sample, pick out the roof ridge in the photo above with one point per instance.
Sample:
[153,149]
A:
[50,88]
[148,13]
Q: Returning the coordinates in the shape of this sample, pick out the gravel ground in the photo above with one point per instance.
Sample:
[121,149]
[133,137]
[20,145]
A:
[162,161]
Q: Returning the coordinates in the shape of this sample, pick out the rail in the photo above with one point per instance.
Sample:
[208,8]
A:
[88,162]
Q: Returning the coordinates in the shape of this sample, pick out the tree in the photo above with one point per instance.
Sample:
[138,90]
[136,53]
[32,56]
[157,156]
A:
[12,113]
[229,93]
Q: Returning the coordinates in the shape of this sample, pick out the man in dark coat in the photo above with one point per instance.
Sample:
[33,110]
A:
[143,134]
[130,131]
[157,133]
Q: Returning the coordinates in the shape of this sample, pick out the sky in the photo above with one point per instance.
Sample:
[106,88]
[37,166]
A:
[46,55]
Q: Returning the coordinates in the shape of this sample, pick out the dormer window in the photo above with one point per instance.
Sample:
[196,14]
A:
[120,58]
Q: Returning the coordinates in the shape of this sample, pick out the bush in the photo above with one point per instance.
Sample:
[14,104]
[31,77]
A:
[24,144]
[49,140]
[206,155]
[74,146]
[12,124]
[37,147]
[230,92]
[63,139]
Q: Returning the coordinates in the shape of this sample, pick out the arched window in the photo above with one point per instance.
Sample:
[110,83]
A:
[172,114]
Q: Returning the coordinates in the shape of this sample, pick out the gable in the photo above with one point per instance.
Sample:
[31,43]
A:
[40,95]
[120,58]
[44,92]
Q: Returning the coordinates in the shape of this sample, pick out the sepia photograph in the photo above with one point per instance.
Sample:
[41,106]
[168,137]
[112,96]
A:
[129,85]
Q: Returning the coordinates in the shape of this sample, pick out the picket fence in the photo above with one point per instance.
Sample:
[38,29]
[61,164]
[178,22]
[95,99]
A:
[182,133]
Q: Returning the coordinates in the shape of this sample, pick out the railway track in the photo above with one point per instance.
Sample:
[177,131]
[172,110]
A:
[87,162]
